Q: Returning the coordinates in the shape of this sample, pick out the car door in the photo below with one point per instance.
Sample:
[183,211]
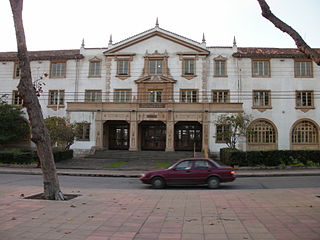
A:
[202,169]
[181,174]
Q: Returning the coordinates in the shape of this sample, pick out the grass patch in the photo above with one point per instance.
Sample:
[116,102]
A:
[116,164]
[163,164]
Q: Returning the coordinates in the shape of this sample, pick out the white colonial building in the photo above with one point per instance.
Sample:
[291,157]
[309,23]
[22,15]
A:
[160,91]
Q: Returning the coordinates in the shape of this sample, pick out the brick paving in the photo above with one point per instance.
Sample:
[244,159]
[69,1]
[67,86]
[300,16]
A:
[103,214]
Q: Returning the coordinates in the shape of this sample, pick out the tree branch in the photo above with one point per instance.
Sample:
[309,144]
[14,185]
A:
[301,44]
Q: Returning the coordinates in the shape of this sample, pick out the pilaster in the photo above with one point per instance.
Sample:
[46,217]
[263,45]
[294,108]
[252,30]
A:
[133,132]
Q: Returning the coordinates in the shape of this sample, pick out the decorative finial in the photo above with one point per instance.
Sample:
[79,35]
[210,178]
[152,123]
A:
[157,22]
[110,40]
[82,44]
[203,38]
[234,47]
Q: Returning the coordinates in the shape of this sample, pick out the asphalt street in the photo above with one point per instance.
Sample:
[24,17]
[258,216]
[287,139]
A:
[75,182]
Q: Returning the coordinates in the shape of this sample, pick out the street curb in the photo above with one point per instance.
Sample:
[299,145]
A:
[128,175]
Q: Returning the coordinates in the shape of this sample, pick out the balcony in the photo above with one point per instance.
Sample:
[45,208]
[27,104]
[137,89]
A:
[128,103]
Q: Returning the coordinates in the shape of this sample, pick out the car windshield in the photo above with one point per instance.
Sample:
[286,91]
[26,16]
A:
[215,163]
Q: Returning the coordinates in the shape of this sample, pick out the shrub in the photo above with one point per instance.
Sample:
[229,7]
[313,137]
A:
[29,157]
[270,158]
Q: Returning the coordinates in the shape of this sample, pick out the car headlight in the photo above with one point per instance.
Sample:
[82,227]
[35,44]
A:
[143,175]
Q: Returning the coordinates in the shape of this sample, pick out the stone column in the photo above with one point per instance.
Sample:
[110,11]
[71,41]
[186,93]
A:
[170,133]
[99,132]
[133,132]
[205,131]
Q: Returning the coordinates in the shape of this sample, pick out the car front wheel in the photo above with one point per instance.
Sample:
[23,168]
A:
[213,182]
[158,182]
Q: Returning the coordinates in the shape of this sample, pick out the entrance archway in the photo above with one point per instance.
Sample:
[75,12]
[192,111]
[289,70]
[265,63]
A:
[117,135]
[188,136]
[153,135]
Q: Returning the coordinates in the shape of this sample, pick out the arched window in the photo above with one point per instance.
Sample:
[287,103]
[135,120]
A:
[261,132]
[304,132]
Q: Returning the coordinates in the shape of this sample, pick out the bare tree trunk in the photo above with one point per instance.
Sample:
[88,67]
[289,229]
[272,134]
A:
[301,44]
[40,134]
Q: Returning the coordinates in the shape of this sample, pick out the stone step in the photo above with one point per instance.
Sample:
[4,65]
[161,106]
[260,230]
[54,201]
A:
[142,155]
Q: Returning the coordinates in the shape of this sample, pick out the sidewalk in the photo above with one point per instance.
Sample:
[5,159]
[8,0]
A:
[106,214]
[242,172]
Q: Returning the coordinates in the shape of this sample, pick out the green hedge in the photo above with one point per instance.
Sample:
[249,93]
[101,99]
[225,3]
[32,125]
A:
[29,157]
[269,158]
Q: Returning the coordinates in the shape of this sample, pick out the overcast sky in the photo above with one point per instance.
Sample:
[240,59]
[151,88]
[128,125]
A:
[61,24]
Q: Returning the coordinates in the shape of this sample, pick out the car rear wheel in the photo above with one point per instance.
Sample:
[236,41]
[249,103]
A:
[158,182]
[213,182]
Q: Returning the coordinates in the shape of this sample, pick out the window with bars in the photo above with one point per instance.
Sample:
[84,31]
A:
[16,70]
[303,69]
[93,96]
[261,132]
[304,99]
[260,68]
[83,131]
[220,68]
[122,95]
[16,99]
[95,68]
[189,95]
[261,99]
[188,67]
[58,69]
[123,68]
[220,96]
[222,133]
[305,132]
[56,97]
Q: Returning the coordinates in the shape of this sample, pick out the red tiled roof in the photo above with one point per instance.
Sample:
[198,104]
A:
[44,55]
[270,53]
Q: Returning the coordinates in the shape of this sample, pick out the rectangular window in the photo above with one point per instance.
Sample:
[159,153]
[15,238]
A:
[155,66]
[16,99]
[95,69]
[220,96]
[260,68]
[122,95]
[261,99]
[155,96]
[56,97]
[220,68]
[188,67]
[189,95]
[58,69]
[304,99]
[123,67]
[83,132]
[16,70]
[303,69]
[93,96]
[222,133]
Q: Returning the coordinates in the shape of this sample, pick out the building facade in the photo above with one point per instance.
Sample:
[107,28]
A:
[160,91]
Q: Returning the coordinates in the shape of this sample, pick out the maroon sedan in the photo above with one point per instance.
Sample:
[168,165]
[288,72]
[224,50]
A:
[190,171]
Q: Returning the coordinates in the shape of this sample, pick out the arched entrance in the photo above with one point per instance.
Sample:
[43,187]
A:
[153,135]
[188,136]
[117,133]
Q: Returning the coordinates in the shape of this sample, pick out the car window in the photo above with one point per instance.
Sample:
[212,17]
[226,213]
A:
[184,165]
[215,163]
[202,164]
